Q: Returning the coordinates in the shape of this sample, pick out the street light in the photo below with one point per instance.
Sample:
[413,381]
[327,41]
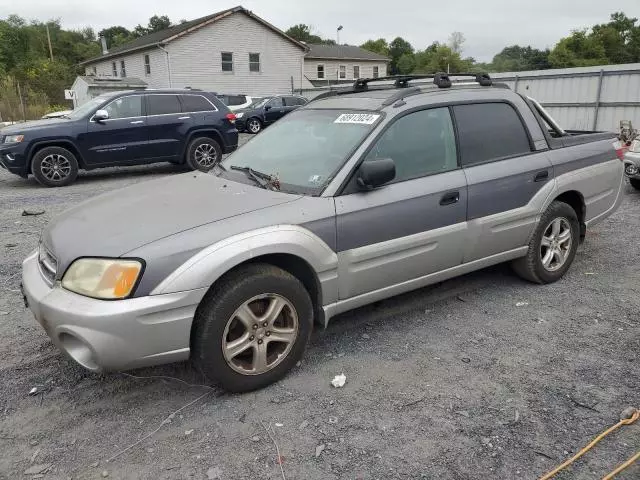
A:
[338,33]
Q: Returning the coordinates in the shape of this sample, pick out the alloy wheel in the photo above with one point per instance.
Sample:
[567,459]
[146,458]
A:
[254,126]
[55,167]
[205,155]
[556,244]
[260,334]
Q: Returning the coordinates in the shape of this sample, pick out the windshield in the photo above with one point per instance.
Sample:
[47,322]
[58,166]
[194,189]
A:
[258,102]
[305,149]
[87,108]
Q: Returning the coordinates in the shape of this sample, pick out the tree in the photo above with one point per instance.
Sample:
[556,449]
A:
[116,36]
[302,33]
[578,50]
[441,58]
[456,39]
[156,24]
[516,59]
[397,48]
[406,63]
[379,46]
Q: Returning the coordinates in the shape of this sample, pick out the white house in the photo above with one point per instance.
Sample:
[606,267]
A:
[88,87]
[331,64]
[233,51]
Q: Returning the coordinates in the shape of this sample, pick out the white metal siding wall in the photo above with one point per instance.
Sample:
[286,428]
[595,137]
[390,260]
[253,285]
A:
[571,95]
[331,68]
[134,66]
[196,58]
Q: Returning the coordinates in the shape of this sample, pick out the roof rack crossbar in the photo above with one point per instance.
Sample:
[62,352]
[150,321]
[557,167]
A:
[441,79]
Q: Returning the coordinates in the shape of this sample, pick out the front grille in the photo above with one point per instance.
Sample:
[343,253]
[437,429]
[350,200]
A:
[48,264]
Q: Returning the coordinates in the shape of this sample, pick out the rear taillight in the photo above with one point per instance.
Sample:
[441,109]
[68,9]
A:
[620,148]
[231,117]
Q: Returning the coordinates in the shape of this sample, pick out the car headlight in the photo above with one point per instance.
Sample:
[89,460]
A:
[102,278]
[13,138]
[240,115]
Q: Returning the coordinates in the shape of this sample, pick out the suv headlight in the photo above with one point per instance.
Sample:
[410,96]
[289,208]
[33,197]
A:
[106,279]
[240,115]
[13,138]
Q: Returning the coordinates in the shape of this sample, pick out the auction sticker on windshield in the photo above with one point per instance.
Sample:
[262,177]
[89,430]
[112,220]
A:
[359,118]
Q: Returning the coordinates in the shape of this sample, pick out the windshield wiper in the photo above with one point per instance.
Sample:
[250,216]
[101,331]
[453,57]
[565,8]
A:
[266,181]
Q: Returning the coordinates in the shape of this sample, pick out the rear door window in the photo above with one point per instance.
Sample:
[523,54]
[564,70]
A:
[293,101]
[489,132]
[195,103]
[276,102]
[162,104]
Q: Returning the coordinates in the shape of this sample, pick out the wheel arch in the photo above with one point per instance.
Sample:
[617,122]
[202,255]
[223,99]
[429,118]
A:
[204,132]
[575,200]
[291,248]
[62,143]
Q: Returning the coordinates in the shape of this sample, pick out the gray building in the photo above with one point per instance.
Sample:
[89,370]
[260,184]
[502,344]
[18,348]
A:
[331,64]
[233,51]
[88,87]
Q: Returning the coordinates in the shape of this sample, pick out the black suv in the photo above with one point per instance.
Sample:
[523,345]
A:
[265,111]
[124,128]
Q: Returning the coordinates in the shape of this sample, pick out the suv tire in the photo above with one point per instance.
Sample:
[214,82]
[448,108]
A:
[227,348]
[254,125]
[54,167]
[552,247]
[203,153]
[635,183]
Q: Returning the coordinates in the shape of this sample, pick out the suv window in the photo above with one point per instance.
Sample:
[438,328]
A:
[421,143]
[489,131]
[195,103]
[276,102]
[237,100]
[162,104]
[293,101]
[125,107]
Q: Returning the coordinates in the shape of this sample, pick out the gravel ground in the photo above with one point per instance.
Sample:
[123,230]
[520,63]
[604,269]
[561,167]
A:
[481,376]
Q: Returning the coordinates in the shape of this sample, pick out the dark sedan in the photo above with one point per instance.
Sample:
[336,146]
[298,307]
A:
[265,111]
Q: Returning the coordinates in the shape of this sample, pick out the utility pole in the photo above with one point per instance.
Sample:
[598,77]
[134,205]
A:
[338,33]
[24,116]
[49,40]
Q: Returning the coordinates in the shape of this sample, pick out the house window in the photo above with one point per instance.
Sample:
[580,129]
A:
[147,65]
[356,72]
[123,70]
[114,69]
[227,62]
[95,70]
[320,72]
[343,71]
[254,62]
[376,72]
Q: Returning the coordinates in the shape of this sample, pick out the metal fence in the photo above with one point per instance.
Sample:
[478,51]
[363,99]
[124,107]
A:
[586,98]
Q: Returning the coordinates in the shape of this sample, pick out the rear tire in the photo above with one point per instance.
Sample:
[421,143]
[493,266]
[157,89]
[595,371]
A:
[203,153]
[635,183]
[229,331]
[254,126]
[54,167]
[552,247]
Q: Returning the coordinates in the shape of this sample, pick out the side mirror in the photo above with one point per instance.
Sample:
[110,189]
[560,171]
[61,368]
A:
[267,108]
[101,115]
[375,173]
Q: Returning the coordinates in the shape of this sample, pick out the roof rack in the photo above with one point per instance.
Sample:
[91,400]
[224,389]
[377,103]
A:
[441,80]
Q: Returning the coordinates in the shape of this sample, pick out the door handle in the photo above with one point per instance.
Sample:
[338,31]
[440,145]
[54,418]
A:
[184,118]
[137,122]
[541,176]
[450,198]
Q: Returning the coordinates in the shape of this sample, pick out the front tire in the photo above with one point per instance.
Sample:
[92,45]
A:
[252,327]
[54,167]
[553,246]
[635,183]
[254,126]
[203,154]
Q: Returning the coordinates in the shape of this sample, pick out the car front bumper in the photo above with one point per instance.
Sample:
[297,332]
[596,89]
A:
[632,164]
[111,335]
[12,158]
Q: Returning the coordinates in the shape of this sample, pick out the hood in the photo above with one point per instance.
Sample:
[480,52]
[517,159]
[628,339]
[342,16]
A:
[118,222]
[33,125]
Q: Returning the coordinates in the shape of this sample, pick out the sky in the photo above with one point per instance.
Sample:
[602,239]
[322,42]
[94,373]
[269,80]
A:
[488,25]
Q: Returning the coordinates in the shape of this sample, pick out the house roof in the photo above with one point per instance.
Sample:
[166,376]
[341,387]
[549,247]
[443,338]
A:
[113,82]
[171,33]
[343,52]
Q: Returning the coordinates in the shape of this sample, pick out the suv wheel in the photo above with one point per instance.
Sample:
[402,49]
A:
[635,183]
[254,125]
[54,167]
[203,153]
[553,245]
[252,327]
